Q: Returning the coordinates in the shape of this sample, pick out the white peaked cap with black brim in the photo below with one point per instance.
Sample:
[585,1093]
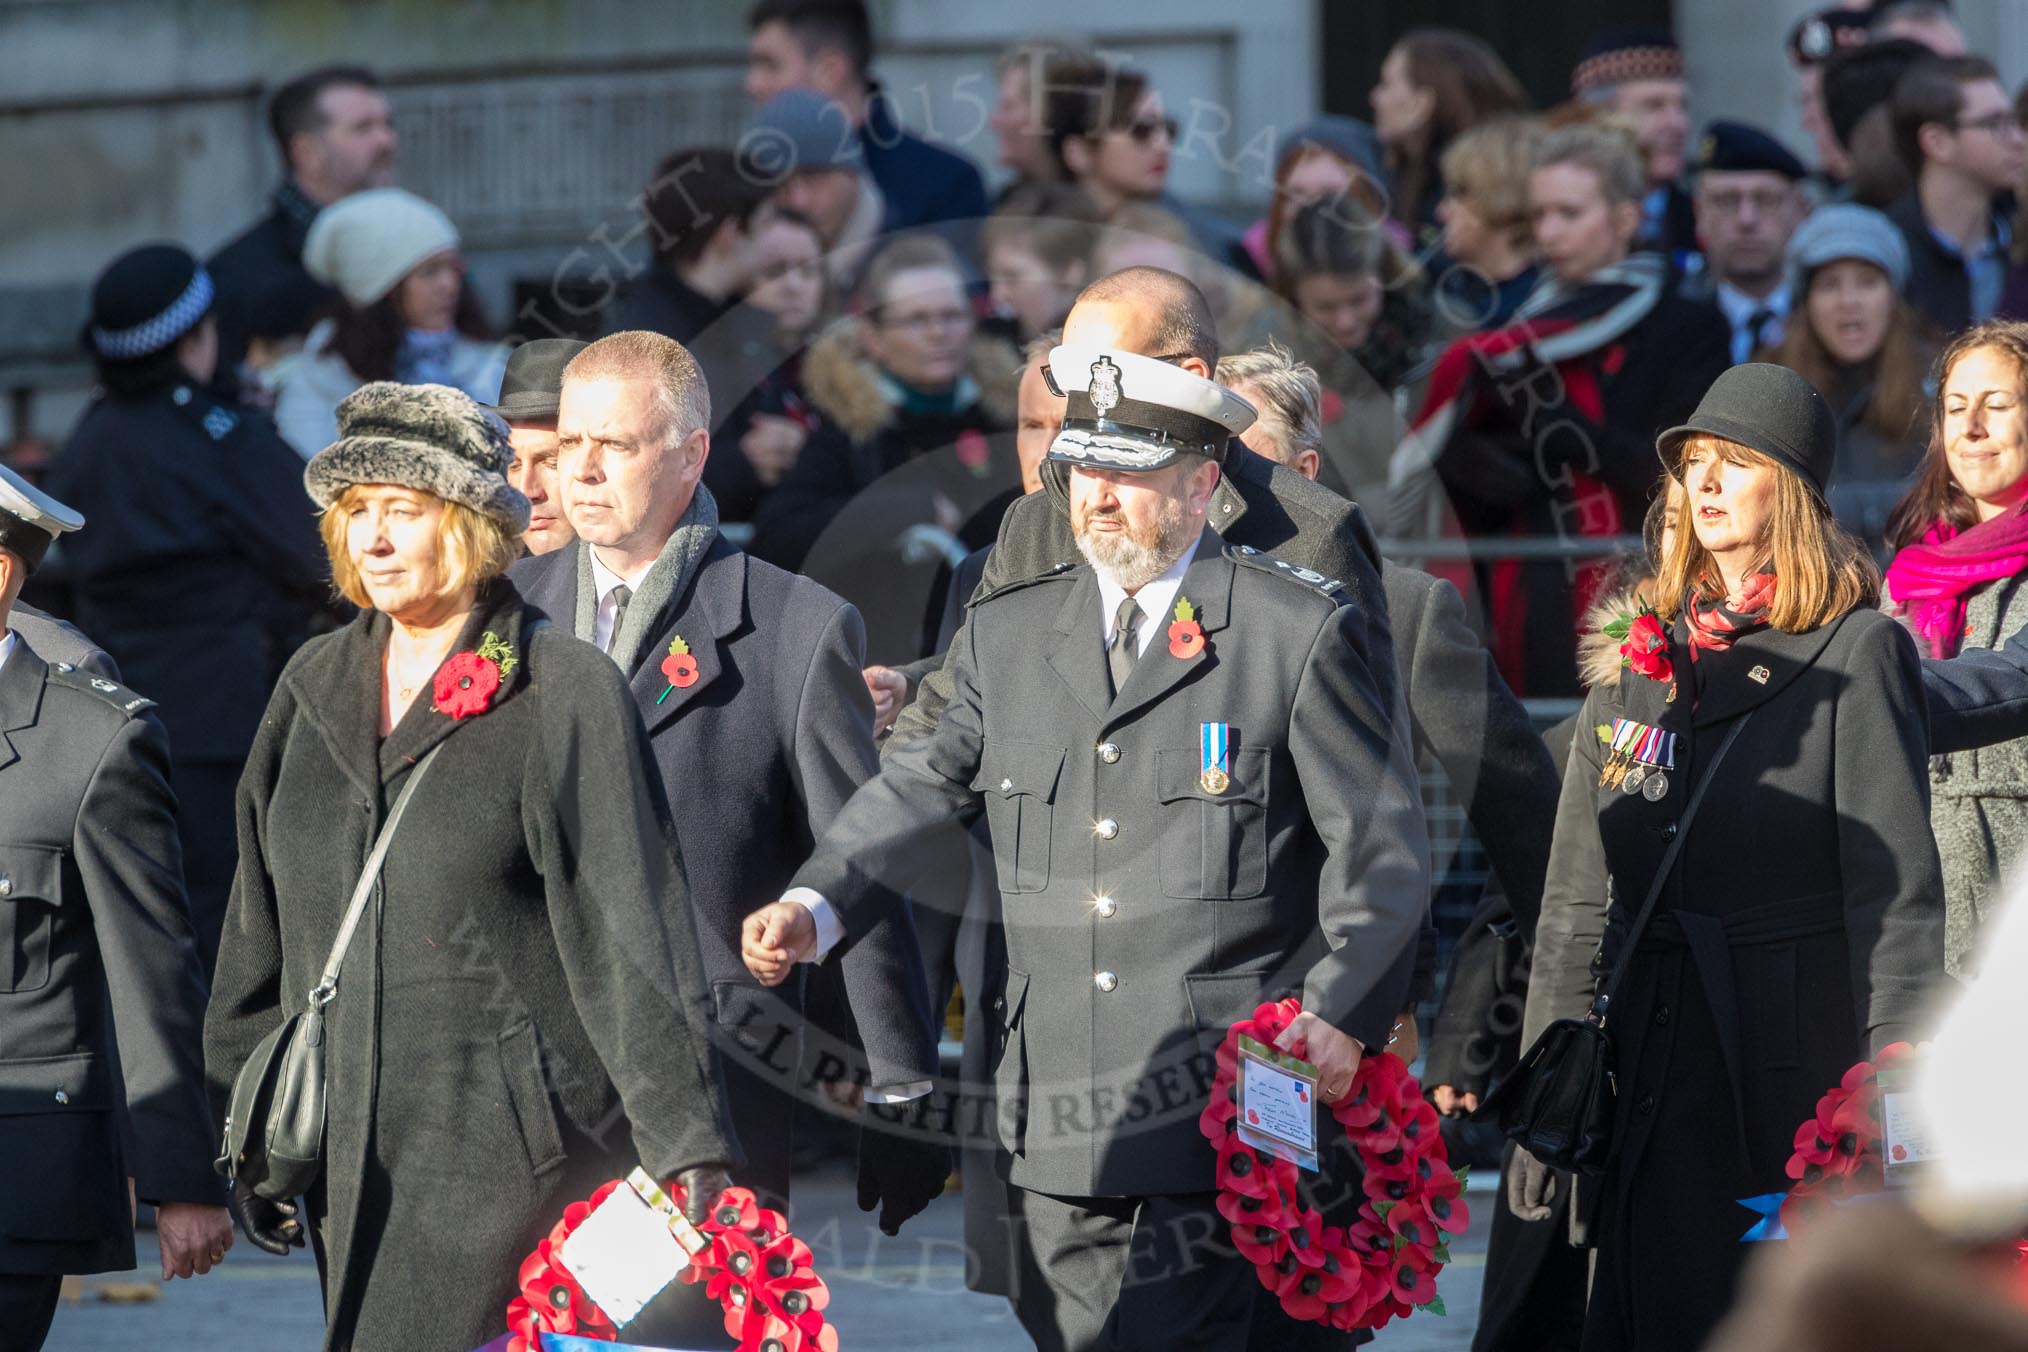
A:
[30,519]
[1134,414]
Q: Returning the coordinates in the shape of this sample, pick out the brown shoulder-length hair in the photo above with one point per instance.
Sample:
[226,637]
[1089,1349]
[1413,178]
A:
[369,338]
[1936,496]
[1824,570]
[1899,366]
[475,548]
[1470,84]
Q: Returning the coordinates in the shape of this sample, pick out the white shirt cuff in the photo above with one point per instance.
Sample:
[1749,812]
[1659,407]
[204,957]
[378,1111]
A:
[830,929]
[899,1093]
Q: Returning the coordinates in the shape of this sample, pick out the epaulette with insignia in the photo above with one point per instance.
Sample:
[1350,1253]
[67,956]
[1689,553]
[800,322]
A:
[1021,583]
[1268,563]
[112,692]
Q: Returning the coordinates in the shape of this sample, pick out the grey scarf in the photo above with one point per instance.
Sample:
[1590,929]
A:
[665,582]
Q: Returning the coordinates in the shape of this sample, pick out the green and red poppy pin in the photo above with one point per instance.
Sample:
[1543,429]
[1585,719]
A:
[679,666]
[1186,636]
[465,684]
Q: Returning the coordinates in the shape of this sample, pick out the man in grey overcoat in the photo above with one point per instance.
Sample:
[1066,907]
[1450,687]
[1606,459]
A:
[101,992]
[1198,801]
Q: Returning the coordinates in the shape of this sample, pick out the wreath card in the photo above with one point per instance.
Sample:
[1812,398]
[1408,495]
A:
[1278,1103]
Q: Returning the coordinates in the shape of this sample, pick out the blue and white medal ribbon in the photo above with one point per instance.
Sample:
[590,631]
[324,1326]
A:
[1215,777]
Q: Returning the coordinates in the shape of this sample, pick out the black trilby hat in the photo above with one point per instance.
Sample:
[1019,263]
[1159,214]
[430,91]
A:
[533,381]
[1768,408]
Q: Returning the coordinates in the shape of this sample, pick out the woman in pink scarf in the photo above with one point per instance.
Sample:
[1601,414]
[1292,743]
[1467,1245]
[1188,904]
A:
[1961,537]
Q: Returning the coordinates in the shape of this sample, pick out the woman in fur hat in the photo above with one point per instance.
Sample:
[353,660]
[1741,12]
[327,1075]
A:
[520,1015]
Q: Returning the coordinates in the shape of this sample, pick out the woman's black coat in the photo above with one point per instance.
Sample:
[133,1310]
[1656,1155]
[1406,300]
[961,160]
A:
[1799,932]
[521,1015]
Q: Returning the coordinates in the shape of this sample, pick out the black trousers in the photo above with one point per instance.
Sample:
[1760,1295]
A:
[1533,1296]
[27,1304]
[1122,1274]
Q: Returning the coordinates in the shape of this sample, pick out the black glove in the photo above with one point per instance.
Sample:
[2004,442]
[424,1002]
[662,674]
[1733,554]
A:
[272,1226]
[702,1183]
[902,1168]
[1531,1187]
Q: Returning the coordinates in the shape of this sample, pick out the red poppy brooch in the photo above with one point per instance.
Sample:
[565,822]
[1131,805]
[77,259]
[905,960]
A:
[1186,636]
[1644,643]
[465,685]
[680,667]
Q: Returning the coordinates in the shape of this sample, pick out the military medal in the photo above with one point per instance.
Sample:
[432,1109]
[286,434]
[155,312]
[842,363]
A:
[1640,754]
[1213,740]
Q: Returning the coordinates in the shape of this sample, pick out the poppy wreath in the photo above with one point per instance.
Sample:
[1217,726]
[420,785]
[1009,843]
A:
[1384,1265]
[1838,1150]
[761,1276]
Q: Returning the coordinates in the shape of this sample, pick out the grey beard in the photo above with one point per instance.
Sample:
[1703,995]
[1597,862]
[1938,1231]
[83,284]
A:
[1131,564]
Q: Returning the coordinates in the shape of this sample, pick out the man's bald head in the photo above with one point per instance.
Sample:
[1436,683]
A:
[1148,311]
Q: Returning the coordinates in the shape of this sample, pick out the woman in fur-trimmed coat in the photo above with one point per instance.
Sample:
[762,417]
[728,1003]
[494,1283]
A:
[909,470]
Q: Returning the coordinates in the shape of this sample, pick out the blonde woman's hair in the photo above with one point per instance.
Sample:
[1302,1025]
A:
[1824,571]
[1488,168]
[474,548]
[1605,145]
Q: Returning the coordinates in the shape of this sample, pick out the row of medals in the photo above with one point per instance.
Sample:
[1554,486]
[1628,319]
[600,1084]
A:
[1630,776]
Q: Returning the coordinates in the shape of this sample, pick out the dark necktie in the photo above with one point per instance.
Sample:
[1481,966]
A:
[621,595]
[1125,647]
[1756,324]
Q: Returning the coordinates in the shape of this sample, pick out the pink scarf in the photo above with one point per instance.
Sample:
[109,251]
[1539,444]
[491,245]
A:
[1928,581]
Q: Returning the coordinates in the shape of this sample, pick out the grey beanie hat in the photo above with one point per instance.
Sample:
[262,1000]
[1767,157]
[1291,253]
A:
[797,129]
[431,438]
[1845,230]
[1769,409]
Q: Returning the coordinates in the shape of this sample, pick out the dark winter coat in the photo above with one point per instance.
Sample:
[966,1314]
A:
[264,291]
[1800,931]
[757,757]
[101,992]
[199,567]
[923,183]
[884,501]
[522,1015]
[1939,285]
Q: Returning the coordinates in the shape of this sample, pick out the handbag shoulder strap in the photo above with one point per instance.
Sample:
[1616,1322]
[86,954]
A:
[1603,1004]
[327,985]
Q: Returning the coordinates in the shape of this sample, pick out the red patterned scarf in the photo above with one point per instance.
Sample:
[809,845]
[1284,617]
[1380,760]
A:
[1714,622]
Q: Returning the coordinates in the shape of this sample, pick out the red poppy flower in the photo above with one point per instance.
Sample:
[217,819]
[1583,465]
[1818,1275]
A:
[1260,1243]
[1414,1280]
[972,450]
[1415,1227]
[1247,1211]
[465,684]
[1252,1173]
[1647,648]
[1421,1128]
[1186,639]
[680,669]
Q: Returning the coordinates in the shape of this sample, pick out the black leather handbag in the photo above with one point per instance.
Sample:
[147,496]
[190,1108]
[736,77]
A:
[1558,1102]
[274,1127]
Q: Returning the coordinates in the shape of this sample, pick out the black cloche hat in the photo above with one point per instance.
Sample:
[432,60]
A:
[1766,408]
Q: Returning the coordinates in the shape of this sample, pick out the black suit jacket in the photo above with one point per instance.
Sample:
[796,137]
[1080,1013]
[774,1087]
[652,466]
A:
[759,755]
[101,993]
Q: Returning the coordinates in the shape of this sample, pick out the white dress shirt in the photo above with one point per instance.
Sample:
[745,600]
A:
[1738,307]
[605,579]
[6,647]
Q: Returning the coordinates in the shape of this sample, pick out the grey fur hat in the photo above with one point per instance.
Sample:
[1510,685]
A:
[427,437]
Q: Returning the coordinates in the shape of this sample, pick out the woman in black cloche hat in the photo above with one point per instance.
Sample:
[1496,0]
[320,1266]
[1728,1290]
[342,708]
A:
[1799,922]
[199,568]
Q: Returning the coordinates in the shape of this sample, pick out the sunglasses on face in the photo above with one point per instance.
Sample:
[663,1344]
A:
[1148,128]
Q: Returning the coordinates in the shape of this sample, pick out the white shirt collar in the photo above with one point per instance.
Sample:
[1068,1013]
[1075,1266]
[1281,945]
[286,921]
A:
[6,647]
[605,579]
[1739,307]
[1157,599]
